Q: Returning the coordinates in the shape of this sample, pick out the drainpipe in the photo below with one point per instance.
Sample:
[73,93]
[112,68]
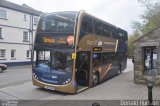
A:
[31,32]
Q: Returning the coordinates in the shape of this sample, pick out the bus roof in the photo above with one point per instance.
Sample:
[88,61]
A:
[49,14]
[82,12]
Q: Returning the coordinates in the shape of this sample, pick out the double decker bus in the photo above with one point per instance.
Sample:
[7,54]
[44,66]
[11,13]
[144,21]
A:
[74,51]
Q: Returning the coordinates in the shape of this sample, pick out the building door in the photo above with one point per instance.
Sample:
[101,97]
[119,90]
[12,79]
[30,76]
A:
[150,58]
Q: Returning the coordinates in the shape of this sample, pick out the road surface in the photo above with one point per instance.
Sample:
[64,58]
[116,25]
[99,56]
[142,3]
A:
[15,84]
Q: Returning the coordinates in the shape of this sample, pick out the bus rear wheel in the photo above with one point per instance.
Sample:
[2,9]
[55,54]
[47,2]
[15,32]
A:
[95,79]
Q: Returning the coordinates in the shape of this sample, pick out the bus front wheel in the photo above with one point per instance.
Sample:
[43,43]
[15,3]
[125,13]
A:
[119,70]
[95,79]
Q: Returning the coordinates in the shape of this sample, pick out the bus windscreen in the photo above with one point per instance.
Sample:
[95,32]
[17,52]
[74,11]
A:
[58,22]
[55,59]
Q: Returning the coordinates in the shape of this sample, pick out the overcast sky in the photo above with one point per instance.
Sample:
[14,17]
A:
[117,12]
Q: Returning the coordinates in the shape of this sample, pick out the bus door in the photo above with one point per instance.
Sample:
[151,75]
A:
[83,68]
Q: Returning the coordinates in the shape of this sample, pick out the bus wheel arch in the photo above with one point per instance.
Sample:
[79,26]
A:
[95,78]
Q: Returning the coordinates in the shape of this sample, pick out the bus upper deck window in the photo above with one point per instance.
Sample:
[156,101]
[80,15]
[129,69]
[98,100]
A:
[105,30]
[98,28]
[87,24]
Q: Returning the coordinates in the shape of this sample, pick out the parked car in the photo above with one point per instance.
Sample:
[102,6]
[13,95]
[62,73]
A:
[3,67]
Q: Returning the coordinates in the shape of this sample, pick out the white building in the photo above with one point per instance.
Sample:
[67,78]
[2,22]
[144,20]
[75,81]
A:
[17,29]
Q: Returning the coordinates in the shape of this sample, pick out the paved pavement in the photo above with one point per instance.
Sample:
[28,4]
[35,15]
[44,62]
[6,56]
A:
[15,84]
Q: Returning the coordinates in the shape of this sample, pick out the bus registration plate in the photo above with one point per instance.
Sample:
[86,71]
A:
[48,87]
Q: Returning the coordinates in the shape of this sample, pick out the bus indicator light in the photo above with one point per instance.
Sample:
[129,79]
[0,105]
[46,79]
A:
[74,83]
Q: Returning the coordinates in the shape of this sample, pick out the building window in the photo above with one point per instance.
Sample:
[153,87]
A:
[150,58]
[3,14]
[13,54]
[25,17]
[2,53]
[0,33]
[28,54]
[35,21]
[25,36]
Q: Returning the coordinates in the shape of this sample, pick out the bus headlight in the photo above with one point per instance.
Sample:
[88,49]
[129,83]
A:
[65,82]
[35,75]
[69,80]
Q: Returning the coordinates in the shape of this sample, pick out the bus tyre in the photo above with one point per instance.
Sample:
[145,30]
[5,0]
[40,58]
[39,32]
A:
[119,70]
[95,79]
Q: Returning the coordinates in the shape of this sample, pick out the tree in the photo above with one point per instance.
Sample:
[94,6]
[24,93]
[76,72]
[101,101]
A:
[132,38]
[151,20]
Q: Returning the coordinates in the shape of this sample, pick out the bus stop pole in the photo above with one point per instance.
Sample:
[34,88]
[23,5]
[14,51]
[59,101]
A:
[95,104]
[150,100]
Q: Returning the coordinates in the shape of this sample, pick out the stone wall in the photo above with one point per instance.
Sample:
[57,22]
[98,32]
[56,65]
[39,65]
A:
[150,39]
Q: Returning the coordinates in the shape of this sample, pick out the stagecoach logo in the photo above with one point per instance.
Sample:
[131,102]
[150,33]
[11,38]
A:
[100,43]
[94,43]
[107,45]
